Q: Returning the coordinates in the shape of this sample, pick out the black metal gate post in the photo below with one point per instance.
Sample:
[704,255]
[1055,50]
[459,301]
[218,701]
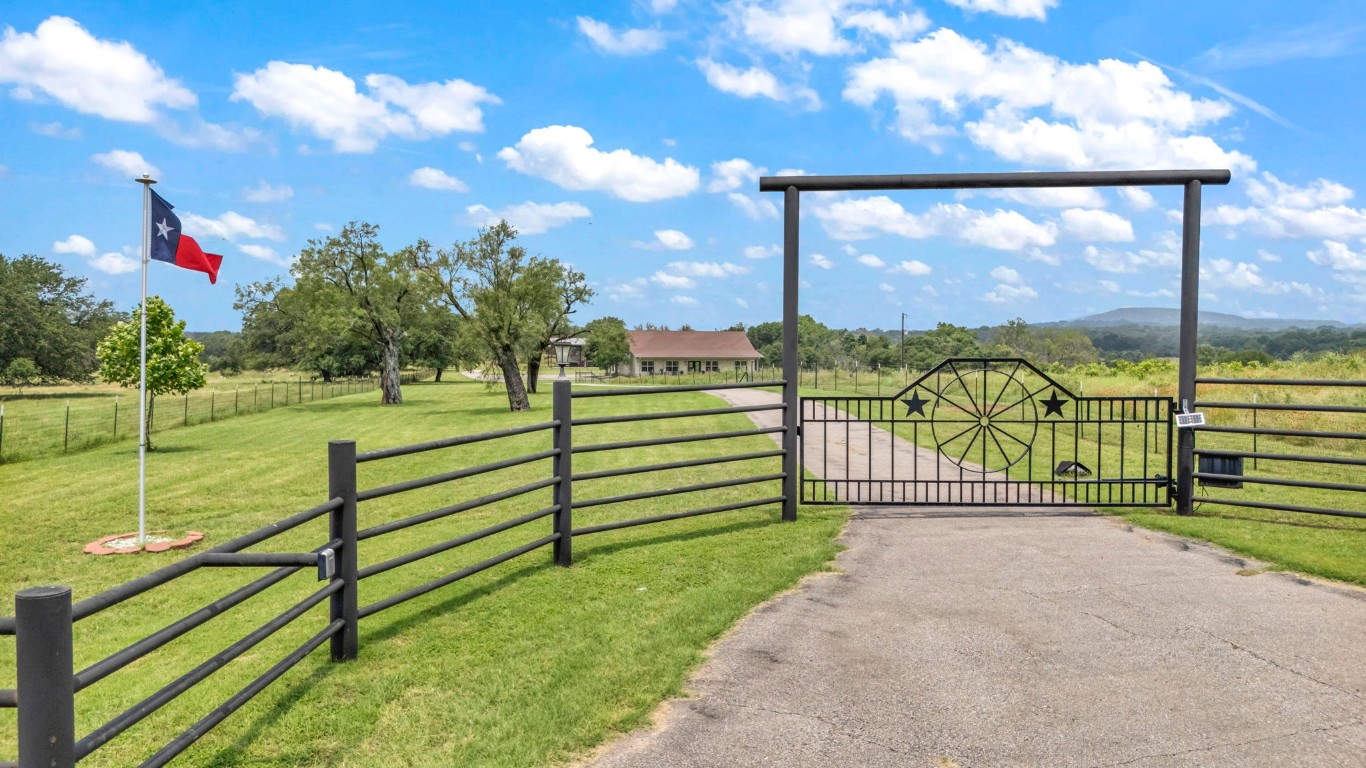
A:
[341,483]
[563,464]
[1190,320]
[792,458]
[46,689]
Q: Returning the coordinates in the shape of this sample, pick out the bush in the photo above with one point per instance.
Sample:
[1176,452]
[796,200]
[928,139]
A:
[21,372]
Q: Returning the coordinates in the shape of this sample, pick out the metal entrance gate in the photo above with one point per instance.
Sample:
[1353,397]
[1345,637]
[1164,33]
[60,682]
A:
[987,431]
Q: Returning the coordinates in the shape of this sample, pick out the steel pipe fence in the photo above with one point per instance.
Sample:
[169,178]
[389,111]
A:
[1232,437]
[48,683]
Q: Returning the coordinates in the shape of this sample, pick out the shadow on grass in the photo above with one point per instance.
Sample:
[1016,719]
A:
[10,398]
[587,552]
[935,512]
[1326,525]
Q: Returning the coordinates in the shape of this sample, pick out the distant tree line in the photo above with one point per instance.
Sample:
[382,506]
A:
[49,323]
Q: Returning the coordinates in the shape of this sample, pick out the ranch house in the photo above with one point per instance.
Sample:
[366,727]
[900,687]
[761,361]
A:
[672,353]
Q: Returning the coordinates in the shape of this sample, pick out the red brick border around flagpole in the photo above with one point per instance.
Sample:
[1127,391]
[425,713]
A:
[97,547]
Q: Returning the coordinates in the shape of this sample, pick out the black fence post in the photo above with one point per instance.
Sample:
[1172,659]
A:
[116,417]
[791,370]
[1190,320]
[46,691]
[563,412]
[66,428]
[341,483]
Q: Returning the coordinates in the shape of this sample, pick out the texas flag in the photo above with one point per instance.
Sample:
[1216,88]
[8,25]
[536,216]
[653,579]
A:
[171,245]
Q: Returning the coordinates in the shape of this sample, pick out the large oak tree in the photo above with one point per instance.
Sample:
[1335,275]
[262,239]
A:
[512,303]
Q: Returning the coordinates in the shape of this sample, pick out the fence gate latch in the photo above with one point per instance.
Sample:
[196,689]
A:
[327,564]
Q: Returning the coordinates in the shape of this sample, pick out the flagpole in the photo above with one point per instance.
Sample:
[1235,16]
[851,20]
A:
[146,181]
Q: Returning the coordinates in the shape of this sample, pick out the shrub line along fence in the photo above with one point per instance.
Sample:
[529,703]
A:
[30,436]
[1230,460]
[44,616]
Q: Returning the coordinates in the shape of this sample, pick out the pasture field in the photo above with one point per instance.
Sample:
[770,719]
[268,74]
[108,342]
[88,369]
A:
[523,664]
[50,419]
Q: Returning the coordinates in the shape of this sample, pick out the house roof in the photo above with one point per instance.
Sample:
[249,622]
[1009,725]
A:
[691,344]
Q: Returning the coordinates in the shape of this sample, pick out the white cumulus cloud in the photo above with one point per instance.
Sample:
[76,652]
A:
[728,175]
[264,253]
[761,251]
[914,268]
[231,226]
[109,78]
[869,260]
[528,218]
[1035,109]
[564,155]
[327,104]
[1338,256]
[265,193]
[675,282]
[666,240]
[115,263]
[78,245]
[627,42]
[126,163]
[756,81]
[822,261]
[434,178]
[1005,274]
[1097,226]
[1007,294]
[1019,9]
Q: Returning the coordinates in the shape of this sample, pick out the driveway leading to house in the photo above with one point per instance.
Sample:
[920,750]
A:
[1026,637]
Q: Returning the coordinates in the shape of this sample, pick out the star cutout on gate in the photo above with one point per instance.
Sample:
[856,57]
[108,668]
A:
[164,229]
[1053,405]
[914,404]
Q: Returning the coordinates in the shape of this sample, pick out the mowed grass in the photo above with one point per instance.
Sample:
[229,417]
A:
[523,664]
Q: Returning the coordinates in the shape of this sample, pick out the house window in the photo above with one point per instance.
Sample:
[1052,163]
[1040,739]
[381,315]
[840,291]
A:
[671,367]
[713,366]
[647,367]
[694,366]
[739,365]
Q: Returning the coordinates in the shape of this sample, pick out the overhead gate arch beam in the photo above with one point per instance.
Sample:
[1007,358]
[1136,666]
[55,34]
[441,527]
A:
[1191,180]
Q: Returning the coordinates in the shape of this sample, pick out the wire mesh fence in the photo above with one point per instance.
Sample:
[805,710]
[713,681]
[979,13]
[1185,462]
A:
[32,433]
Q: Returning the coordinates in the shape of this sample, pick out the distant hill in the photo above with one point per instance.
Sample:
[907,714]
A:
[1160,316]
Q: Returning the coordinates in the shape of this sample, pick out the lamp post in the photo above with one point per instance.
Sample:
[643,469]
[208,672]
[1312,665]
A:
[562,357]
[903,342]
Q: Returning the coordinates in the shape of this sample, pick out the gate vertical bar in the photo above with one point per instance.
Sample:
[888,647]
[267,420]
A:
[791,414]
[563,406]
[341,483]
[1190,318]
[46,689]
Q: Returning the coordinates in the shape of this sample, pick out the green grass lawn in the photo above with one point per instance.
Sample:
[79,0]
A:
[524,664]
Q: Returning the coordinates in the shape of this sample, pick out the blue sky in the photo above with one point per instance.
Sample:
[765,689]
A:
[627,139]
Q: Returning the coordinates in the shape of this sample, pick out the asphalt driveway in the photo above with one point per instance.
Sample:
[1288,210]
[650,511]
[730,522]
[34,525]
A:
[1026,637]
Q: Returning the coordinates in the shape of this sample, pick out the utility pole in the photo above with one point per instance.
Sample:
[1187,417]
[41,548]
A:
[903,342]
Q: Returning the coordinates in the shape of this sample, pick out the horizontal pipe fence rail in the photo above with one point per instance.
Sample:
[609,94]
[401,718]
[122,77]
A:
[48,684]
[1305,425]
[27,431]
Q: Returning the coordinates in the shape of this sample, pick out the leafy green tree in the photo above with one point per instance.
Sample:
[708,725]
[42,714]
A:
[437,342]
[607,345]
[173,365]
[349,286]
[49,319]
[507,298]
[570,289]
[21,372]
[928,349]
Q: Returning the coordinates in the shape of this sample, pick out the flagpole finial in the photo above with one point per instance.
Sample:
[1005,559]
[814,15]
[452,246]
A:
[146,179]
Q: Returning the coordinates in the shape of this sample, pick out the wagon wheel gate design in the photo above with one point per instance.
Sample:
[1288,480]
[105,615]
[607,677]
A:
[987,431]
